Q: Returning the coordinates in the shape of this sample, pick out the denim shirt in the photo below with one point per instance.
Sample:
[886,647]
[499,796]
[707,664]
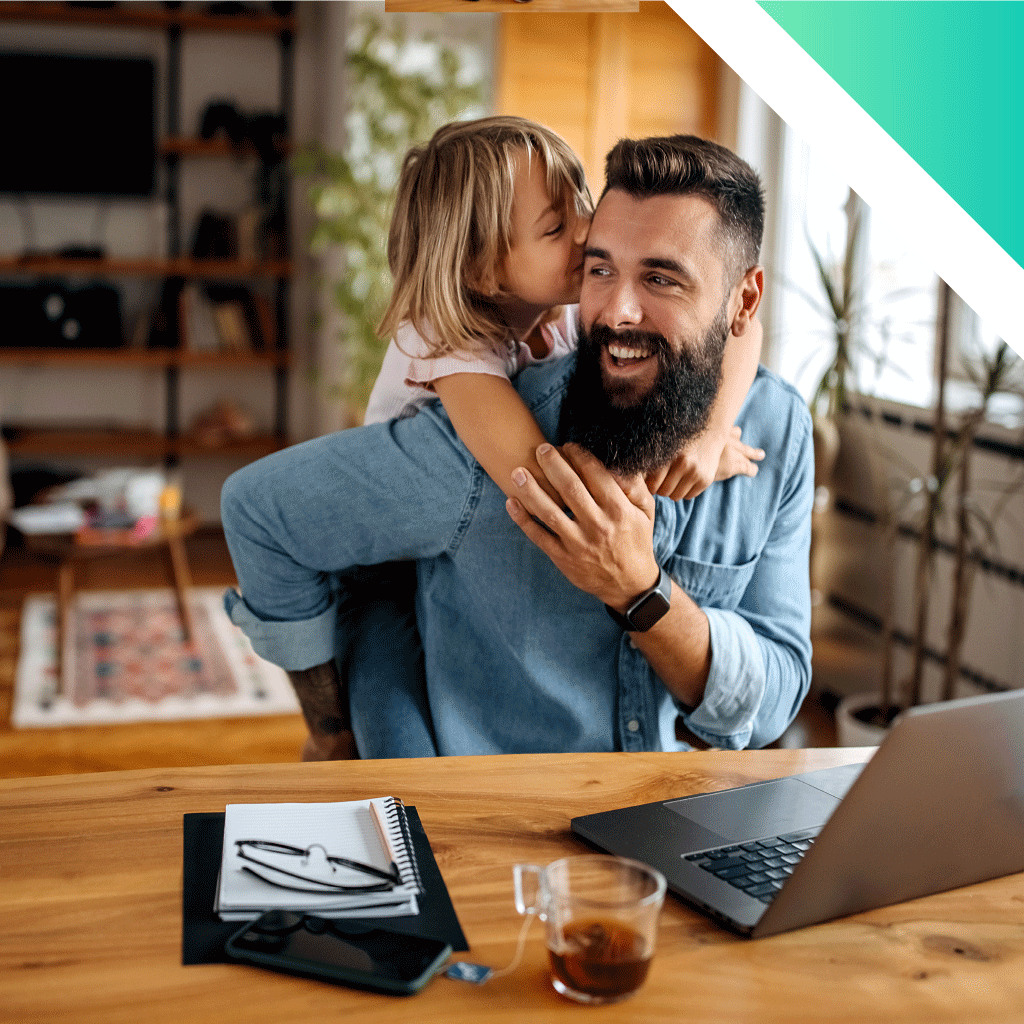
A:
[517,659]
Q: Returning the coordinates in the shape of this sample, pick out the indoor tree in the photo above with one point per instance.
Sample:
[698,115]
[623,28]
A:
[402,88]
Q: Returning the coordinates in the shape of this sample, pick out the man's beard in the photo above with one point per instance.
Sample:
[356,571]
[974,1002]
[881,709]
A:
[649,433]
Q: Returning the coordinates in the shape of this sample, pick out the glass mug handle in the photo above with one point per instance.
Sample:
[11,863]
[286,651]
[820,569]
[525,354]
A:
[527,890]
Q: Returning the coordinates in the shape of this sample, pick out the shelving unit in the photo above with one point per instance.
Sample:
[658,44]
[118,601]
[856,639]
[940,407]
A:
[173,148]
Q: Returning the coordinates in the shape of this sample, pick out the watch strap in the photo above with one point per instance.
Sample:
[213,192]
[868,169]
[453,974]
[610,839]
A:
[648,608]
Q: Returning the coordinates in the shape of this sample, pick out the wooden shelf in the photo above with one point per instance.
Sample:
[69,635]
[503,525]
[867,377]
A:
[248,448]
[230,360]
[157,358]
[139,358]
[123,266]
[130,443]
[147,17]
[145,444]
[218,147]
[120,441]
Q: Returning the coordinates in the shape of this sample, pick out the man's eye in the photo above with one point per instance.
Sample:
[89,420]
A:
[659,281]
[598,271]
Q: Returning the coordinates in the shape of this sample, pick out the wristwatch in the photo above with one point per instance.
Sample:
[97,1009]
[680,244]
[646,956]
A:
[648,608]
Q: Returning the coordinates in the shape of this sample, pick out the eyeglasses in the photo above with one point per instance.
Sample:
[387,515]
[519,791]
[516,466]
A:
[314,866]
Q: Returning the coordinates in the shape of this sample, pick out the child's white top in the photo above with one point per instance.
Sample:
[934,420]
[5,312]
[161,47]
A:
[407,375]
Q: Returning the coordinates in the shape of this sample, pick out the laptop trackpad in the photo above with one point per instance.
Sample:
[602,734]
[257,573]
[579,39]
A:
[758,811]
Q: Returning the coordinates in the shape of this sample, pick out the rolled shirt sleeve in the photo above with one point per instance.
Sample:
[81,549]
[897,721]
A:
[755,589]
[736,684]
[296,645]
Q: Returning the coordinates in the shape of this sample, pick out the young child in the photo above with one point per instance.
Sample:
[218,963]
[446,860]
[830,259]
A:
[486,253]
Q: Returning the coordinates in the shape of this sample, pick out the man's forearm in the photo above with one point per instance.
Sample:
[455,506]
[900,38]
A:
[678,648]
[323,697]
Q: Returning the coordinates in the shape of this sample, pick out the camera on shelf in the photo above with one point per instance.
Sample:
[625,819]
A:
[58,314]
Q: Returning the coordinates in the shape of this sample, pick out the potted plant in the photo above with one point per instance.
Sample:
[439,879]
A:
[946,494]
[397,99]
[840,306]
[853,334]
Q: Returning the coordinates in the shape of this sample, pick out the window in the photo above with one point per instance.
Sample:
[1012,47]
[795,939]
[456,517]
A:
[893,296]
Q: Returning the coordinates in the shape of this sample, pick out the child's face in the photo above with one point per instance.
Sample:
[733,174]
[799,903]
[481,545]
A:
[544,266]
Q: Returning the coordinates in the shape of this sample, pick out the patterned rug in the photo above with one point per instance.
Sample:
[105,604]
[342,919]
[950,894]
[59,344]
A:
[125,660]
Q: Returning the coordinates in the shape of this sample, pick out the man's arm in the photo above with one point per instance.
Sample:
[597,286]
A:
[323,698]
[739,675]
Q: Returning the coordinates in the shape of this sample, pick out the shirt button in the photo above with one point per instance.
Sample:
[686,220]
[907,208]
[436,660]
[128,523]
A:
[633,725]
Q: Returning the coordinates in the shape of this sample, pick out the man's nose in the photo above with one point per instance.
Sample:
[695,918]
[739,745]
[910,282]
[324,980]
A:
[622,307]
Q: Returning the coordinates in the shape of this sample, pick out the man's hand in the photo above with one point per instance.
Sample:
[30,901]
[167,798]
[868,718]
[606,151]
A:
[703,462]
[339,747]
[603,543]
[602,540]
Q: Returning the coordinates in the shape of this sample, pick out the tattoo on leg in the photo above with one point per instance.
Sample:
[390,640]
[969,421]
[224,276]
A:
[323,698]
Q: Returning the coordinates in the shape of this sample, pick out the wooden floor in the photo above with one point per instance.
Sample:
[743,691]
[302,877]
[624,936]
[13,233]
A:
[32,752]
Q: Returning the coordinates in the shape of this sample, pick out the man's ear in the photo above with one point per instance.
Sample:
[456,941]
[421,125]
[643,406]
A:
[744,300]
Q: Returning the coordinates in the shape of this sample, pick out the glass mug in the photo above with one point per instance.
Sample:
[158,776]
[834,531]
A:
[601,915]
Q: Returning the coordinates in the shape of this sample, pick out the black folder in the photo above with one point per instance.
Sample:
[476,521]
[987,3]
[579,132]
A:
[203,933]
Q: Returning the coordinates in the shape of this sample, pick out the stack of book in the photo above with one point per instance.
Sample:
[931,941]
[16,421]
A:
[226,318]
[335,860]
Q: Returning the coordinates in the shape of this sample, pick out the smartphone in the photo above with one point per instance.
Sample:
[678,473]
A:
[343,952]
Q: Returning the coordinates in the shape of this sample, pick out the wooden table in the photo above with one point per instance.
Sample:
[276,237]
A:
[90,905]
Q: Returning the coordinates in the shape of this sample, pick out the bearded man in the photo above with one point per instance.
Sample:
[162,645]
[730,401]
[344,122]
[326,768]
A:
[611,620]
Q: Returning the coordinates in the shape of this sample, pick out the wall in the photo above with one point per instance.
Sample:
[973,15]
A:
[600,77]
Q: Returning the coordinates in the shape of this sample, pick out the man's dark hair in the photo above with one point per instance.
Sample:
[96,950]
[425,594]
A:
[687,165]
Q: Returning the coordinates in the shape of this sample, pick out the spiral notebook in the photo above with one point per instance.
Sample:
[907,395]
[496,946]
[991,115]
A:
[290,860]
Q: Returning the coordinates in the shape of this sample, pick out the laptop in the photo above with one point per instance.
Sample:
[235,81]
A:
[939,805]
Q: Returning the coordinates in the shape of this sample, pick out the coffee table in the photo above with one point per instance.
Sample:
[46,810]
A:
[68,553]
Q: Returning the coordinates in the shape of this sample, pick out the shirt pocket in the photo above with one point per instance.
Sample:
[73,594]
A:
[711,583]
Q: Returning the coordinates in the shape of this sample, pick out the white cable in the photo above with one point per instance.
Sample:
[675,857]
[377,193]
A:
[521,945]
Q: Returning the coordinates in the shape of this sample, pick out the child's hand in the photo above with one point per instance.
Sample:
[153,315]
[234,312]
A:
[702,463]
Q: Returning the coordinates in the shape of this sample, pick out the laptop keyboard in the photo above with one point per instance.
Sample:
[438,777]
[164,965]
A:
[759,868]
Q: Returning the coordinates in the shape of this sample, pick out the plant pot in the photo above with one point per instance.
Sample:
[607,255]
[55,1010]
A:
[850,730]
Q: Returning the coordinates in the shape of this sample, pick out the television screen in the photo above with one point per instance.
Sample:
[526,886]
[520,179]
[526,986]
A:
[77,125]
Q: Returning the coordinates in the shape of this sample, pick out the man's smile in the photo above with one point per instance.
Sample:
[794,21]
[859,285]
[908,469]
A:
[623,354]
[628,370]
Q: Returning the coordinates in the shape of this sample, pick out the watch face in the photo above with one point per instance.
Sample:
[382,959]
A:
[645,614]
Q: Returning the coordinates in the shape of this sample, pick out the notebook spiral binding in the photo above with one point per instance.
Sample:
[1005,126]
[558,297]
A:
[396,816]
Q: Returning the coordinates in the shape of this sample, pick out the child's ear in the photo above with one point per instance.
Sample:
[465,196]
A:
[744,300]
[483,281]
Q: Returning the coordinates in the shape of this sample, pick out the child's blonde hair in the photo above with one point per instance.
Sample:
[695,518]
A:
[452,226]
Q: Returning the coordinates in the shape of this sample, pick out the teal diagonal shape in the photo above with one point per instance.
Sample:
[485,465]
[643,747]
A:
[945,80]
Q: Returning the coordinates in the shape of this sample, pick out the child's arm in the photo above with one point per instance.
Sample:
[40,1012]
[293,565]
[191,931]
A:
[495,425]
[718,453]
